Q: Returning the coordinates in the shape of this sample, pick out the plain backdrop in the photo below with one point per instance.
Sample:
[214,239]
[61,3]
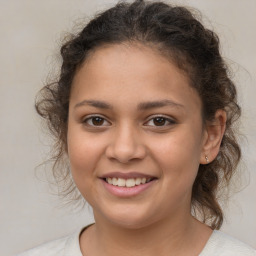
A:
[29,40]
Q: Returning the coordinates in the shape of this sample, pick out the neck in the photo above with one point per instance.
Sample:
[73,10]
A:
[180,236]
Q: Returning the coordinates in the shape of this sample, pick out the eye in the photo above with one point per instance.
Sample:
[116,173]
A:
[96,121]
[160,121]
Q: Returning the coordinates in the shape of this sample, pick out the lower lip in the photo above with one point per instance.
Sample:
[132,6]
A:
[125,191]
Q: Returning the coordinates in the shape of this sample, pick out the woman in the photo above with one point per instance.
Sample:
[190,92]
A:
[144,110]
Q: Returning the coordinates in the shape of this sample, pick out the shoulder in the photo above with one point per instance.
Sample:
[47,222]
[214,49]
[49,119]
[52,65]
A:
[52,248]
[222,244]
[64,246]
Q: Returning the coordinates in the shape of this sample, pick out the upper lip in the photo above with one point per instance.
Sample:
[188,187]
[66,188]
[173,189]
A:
[126,175]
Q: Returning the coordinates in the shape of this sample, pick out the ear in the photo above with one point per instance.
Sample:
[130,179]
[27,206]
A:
[214,132]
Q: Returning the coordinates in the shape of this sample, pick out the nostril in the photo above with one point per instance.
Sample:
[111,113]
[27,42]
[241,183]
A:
[125,153]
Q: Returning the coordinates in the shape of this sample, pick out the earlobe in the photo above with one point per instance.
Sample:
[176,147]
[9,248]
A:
[213,136]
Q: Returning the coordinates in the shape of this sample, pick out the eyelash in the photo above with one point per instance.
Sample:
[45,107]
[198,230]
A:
[165,119]
[85,121]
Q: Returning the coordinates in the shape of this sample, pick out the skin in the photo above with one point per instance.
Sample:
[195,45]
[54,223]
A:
[128,139]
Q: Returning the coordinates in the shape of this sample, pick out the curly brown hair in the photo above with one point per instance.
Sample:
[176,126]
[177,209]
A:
[178,34]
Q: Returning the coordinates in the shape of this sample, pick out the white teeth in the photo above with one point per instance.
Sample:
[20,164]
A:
[127,183]
[114,181]
[121,182]
[130,183]
[138,181]
[109,180]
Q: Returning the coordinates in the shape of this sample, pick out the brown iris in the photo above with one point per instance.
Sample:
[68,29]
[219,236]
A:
[97,121]
[159,121]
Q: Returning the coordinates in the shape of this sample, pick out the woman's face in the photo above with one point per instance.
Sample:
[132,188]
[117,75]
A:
[135,136]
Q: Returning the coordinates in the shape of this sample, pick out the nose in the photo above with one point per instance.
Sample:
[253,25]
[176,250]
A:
[126,145]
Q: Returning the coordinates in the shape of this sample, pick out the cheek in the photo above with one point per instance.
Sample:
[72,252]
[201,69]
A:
[177,149]
[84,152]
[178,155]
[178,161]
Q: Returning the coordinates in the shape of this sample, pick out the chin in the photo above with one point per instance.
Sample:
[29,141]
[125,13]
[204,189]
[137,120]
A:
[124,217]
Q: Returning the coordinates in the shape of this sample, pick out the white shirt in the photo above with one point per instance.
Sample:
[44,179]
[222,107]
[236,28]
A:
[219,244]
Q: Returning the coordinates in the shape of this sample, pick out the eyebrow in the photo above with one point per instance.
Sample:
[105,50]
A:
[158,104]
[141,106]
[94,103]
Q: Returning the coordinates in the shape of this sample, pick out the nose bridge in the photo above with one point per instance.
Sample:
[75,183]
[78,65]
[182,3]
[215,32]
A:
[126,143]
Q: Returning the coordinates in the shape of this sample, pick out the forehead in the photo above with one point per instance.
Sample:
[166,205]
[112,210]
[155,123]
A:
[132,54]
[119,71]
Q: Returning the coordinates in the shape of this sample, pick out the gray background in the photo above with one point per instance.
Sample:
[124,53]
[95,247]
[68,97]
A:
[30,33]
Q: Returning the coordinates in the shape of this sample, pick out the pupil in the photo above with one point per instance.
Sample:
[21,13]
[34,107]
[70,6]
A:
[159,121]
[97,121]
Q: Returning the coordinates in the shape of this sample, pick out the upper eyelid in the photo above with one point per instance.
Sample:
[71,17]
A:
[94,115]
[148,118]
[161,115]
[168,118]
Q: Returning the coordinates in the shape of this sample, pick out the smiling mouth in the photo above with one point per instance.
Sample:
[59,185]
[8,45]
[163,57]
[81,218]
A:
[129,183]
